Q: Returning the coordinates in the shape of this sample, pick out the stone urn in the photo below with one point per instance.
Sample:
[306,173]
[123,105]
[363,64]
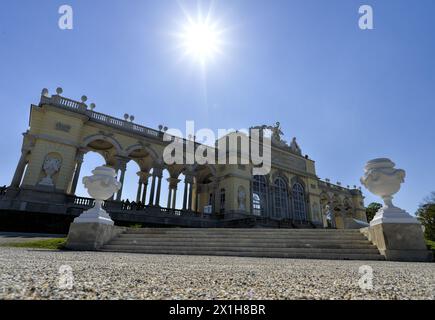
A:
[101,186]
[384,180]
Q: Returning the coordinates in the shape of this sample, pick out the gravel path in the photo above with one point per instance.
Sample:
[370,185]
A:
[37,274]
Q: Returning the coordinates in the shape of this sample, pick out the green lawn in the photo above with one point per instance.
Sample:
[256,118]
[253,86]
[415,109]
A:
[431,244]
[53,244]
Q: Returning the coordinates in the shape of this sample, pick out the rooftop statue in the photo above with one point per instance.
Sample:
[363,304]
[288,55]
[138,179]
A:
[294,147]
[277,135]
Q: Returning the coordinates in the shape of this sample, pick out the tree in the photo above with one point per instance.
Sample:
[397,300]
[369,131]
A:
[372,209]
[426,215]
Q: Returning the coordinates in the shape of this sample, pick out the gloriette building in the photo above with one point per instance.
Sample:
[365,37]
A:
[61,131]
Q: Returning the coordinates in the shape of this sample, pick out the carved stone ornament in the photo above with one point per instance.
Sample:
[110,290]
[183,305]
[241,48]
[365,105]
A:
[51,166]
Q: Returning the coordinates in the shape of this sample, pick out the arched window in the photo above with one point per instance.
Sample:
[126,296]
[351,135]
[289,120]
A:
[299,208]
[259,196]
[222,201]
[281,199]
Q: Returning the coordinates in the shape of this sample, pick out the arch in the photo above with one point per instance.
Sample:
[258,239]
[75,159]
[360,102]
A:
[131,179]
[154,155]
[279,174]
[99,136]
[197,167]
[297,179]
[280,198]
[299,205]
[260,195]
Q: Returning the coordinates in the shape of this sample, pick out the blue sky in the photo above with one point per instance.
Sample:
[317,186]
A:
[348,95]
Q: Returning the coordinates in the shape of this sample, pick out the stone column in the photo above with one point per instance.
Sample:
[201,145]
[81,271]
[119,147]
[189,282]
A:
[215,186]
[79,160]
[173,182]
[144,192]
[190,196]
[185,195]
[19,171]
[139,190]
[174,199]
[169,198]
[153,186]
[159,186]
[122,168]
[200,189]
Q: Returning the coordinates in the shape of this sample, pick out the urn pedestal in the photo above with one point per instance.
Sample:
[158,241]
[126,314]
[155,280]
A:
[397,234]
[94,227]
[400,241]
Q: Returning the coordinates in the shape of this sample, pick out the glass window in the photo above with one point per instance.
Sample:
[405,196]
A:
[281,199]
[259,196]
[299,208]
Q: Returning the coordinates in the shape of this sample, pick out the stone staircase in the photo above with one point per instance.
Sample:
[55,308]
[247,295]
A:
[270,243]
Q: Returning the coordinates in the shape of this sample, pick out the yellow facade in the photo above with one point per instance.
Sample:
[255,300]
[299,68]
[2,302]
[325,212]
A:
[62,130]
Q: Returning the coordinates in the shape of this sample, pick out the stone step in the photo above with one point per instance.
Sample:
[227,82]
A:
[273,243]
[205,244]
[270,254]
[215,247]
[244,236]
[239,231]
[235,239]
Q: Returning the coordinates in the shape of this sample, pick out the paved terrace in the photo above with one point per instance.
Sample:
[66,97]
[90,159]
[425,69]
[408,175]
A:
[34,274]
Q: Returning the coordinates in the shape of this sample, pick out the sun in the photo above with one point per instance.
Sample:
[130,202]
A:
[201,40]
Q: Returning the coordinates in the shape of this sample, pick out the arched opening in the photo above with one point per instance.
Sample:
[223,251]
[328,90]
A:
[131,182]
[260,196]
[299,206]
[281,199]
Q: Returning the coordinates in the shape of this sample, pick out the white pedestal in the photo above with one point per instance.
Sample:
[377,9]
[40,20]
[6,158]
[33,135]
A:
[94,215]
[393,215]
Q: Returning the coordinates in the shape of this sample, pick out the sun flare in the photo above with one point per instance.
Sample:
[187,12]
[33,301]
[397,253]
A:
[201,40]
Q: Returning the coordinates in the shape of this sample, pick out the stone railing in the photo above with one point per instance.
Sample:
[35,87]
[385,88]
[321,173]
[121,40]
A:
[328,184]
[127,207]
[81,107]
[61,102]
[129,126]
[80,201]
